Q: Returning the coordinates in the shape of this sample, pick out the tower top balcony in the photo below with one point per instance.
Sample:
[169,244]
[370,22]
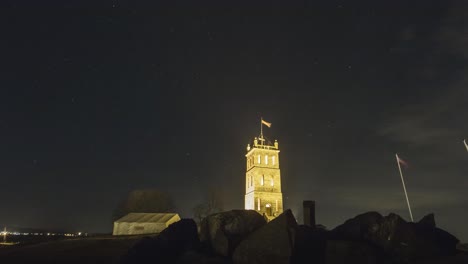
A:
[262,143]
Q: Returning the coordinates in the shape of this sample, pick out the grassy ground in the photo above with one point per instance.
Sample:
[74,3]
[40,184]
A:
[106,249]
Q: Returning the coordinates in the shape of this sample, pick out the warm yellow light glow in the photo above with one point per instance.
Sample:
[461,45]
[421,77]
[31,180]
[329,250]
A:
[262,194]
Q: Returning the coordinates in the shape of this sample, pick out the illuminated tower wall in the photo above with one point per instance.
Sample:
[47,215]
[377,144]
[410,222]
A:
[263,179]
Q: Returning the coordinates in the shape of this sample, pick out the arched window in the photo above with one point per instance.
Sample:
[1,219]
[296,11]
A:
[273,160]
[271,181]
[266,159]
[259,159]
[262,180]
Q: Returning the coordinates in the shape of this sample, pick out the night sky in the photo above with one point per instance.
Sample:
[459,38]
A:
[98,100]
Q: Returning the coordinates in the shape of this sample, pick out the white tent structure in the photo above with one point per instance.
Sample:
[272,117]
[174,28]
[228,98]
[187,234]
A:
[143,223]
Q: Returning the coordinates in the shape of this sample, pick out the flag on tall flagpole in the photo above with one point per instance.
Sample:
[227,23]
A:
[266,123]
[402,162]
[466,145]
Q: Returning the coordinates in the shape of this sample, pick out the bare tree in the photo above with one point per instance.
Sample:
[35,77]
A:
[212,203]
[144,201]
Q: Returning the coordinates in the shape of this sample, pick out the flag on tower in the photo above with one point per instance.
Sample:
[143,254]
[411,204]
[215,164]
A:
[402,162]
[466,145]
[266,123]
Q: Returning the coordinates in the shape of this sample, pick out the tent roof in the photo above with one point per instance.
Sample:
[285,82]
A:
[147,217]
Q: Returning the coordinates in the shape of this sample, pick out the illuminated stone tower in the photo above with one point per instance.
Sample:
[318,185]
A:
[263,179]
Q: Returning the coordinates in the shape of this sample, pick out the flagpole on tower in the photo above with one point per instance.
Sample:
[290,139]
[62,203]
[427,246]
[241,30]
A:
[261,129]
[404,187]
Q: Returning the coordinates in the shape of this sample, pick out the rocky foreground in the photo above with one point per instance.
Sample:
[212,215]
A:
[243,236]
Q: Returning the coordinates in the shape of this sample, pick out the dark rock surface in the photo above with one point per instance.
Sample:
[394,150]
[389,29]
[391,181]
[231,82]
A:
[350,252]
[196,257]
[224,231]
[358,228]
[400,240]
[456,259]
[242,236]
[272,243]
[170,244]
[427,221]
[310,244]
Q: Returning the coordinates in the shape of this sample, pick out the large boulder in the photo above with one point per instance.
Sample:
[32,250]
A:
[359,227]
[400,240]
[272,243]
[412,241]
[224,231]
[170,244]
[427,221]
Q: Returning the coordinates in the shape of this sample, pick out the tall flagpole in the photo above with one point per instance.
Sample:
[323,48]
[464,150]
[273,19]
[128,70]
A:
[261,129]
[404,187]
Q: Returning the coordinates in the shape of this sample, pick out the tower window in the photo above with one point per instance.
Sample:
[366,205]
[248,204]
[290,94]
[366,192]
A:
[271,181]
[259,159]
[266,159]
[262,179]
[273,160]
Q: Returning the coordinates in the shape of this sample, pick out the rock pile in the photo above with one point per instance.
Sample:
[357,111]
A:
[243,236]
